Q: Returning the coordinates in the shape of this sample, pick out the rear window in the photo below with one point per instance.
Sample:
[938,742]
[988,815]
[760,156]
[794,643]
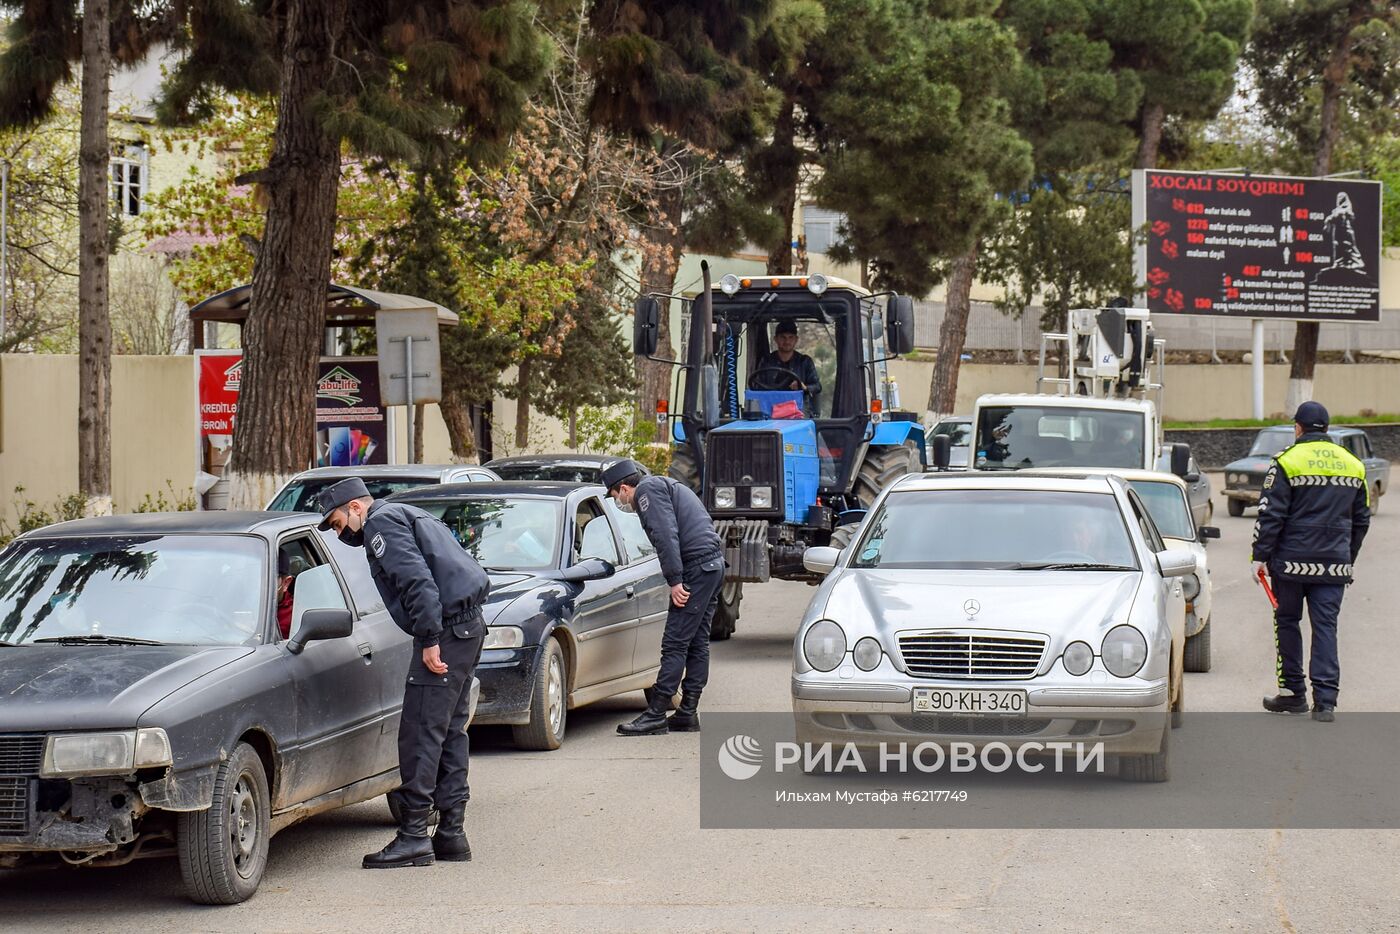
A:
[555,473]
[300,495]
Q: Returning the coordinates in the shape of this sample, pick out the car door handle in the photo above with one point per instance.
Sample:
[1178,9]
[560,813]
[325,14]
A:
[366,650]
[631,590]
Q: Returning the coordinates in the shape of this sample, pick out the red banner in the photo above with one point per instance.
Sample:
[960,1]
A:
[220,373]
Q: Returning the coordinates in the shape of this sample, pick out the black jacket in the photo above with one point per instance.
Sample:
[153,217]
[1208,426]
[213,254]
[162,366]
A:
[801,364]
[422,572]
[676,522]
[1313,512]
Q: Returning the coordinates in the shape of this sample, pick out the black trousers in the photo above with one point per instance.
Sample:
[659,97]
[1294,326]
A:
[1324,605]
[433,745]
[685,645]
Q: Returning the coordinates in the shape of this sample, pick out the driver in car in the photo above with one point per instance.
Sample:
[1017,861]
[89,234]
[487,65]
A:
[787,367]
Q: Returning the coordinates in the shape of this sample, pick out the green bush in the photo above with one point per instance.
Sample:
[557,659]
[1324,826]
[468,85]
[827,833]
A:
[30,515]
[617,431]
[178,502]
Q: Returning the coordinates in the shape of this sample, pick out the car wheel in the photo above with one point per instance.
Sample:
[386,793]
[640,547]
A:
[1151,767]
[549,702]
[1197,654]
[223,850]
[726,618]
[1210,513]
[1235,506]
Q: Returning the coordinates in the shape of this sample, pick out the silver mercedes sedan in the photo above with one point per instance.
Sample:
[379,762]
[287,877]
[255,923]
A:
[998,607]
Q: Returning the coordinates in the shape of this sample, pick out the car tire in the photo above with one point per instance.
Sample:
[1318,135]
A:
[1151,767]
[726,618]
[223,850]
[1235,506]
[1197,654]
[549,702]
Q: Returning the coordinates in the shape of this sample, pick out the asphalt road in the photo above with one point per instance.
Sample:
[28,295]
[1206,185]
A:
[604,833]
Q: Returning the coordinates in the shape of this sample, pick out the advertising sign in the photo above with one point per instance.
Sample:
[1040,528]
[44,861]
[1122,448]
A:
[350,425]
[220,374]
[1261,246]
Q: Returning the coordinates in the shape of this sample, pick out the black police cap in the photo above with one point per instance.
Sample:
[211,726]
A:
[338,494]
[1312,416]
[617,471]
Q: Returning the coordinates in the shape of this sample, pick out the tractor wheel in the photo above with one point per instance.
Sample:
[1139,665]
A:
[881,467]
[841,535]
[726,618]
[684,469]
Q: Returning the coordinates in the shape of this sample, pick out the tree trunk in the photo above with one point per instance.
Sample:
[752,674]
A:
[418,433]
[659,266]
[1334,77]
[461,433]
[943,392]
[785,162]
[522,404]
[573,429]
[94,319]
[1150,138]
[285,330]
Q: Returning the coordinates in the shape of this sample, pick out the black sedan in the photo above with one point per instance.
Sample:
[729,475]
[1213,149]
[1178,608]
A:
[152,706]
[578,602]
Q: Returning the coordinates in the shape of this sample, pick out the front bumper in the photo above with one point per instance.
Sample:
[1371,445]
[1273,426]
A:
[1128,718]
[507,679]
[1249,495]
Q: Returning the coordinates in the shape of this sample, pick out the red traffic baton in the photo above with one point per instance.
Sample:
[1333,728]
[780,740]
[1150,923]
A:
[1268,591]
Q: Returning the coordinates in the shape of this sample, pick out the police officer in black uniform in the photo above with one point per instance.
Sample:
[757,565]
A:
[692,558]
[434,591]
[1313,515]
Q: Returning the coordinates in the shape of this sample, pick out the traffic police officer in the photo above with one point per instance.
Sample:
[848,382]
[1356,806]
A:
[692,559]
[434,590]
[1313,514]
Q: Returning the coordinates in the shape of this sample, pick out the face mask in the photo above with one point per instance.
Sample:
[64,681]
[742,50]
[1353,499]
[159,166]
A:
[625,507]
[355,538]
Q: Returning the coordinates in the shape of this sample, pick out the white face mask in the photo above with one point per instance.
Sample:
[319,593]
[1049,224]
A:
[625,507]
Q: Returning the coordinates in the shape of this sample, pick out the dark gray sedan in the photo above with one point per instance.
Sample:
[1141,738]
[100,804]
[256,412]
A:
[1244,478]
[151,705]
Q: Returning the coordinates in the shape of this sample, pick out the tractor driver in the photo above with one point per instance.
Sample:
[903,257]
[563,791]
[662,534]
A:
[786,367]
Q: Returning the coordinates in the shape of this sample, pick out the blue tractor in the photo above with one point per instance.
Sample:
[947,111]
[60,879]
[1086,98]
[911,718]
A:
[787,446]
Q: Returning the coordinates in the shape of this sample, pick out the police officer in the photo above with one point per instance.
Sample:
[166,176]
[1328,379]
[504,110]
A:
[692,558]
[434,591]
[1313,514]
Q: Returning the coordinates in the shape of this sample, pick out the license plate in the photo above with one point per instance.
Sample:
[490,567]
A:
[1001,702]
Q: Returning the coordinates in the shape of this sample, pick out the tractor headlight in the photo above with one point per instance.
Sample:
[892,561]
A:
[724,497]
[729,284]
[105,753]
[824,645]
[1124,651]
[816,283]
[761,497]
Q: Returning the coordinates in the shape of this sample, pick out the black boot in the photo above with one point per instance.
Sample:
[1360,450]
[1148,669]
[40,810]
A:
[650,695]
[1286,703]
[686,719]
[1323,713]
[652,720]
[410,846]
[450,842]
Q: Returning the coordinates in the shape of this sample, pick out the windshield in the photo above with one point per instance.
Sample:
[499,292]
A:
[190,589]
[561,473]
[300,495]
[504,533]
[1015,437]
[1167,506]
[1269,443]
[959,433]
[995,529]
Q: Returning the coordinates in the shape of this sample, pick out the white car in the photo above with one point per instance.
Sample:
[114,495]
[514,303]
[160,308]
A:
[1008,607]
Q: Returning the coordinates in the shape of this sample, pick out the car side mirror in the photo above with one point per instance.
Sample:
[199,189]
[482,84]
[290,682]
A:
[1181,459]
[589,569]
[1193,477]
[646,325]
[821,559]
[321,623]
[899,325]
[1176,562]
[1209,531]
[942,451]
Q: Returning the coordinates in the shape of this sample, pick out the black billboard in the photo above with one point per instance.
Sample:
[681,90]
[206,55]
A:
[1258,246]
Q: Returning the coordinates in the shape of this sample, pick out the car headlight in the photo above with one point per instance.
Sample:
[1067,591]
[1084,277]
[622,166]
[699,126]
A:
[1124,651]
[761,497]
[1191,586]
[724,497]
[106,753]
[1078,658]
[504,637]
[867,654]
[824,645]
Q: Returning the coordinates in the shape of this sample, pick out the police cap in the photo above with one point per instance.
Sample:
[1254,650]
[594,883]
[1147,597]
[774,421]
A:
[338,494]
[1312,416]
[617,471]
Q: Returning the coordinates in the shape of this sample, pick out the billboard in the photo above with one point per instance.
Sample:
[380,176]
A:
[1258,246]
[220,375]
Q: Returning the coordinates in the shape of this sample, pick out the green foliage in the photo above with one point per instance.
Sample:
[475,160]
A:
[615,431]
[182,501]
[31,515]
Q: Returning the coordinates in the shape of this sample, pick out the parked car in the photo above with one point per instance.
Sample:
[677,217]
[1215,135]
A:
[383,480]
[1003,607]
[562,468]
[150,706]
[1197,486]
[578,601]
[958,428]
[1244,478]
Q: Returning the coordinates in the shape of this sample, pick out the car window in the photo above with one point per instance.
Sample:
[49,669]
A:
[317,589]
[505,533]
[354,568]
[1015,437]
[561,473]
[959,433]
[1270,442]
[1167,506]
[593,535]
[300,495]
[634,537]
[1365,444]
[1145,523]
[996,530]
